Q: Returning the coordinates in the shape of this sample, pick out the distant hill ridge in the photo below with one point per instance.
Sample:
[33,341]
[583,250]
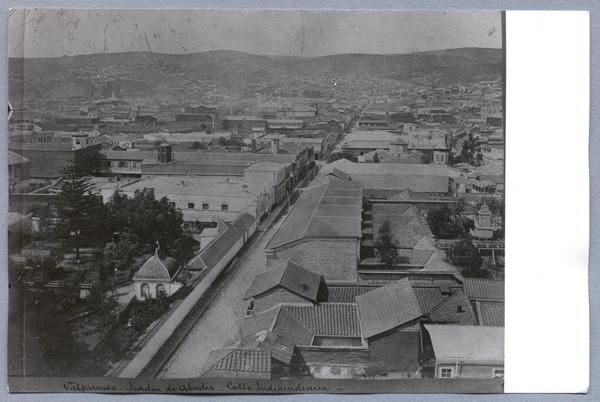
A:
[227,66]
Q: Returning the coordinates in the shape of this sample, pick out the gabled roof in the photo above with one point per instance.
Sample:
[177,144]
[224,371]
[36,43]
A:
[308,219]
[387,307]
[301,323]
[290,276]
[469,343]
[158,267]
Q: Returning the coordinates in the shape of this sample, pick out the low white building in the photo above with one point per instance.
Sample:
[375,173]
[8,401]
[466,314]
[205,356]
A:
[200,198]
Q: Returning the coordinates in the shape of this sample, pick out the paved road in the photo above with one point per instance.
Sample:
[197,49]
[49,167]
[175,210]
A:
[220,324]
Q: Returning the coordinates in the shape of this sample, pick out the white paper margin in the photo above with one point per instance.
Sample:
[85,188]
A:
[547,201]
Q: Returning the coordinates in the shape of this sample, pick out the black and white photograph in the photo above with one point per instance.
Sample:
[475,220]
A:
[249,201]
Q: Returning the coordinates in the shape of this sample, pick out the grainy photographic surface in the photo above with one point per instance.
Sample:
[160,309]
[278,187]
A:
[256,201]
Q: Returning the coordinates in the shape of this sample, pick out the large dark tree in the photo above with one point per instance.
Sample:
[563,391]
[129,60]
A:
[446,223]
[469,152]
[148,220]
[60,352]
[466,256]
[385,245]
[80,209]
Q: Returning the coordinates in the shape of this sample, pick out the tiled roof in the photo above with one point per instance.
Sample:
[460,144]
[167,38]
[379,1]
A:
[299,324]
[387,307]
[158,267]
[328,319]
[490,313]
[484,289]
[289,275]
[241,360]
[315,214]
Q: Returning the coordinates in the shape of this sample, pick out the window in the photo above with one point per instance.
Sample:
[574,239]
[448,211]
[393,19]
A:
[191,205]
[204,206]
[224,207]
[498,373]
[145,291]
[250,309]
[447,372]
[160,290]
[172,204]
[137,165]
[122,164]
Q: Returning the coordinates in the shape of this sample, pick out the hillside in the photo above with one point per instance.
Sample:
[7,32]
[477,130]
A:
[139,72]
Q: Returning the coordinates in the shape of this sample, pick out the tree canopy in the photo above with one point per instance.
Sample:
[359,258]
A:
[385,245]
[149,220]
[446,223]
[469,152]
[466,256]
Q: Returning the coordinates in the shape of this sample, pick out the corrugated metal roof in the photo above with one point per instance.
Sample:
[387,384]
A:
[467,342]
[317,215]
[216,250]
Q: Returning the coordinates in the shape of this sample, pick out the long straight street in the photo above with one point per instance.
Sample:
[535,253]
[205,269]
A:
[221,322]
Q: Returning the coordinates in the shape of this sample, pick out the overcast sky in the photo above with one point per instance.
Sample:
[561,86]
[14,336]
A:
[51,33]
